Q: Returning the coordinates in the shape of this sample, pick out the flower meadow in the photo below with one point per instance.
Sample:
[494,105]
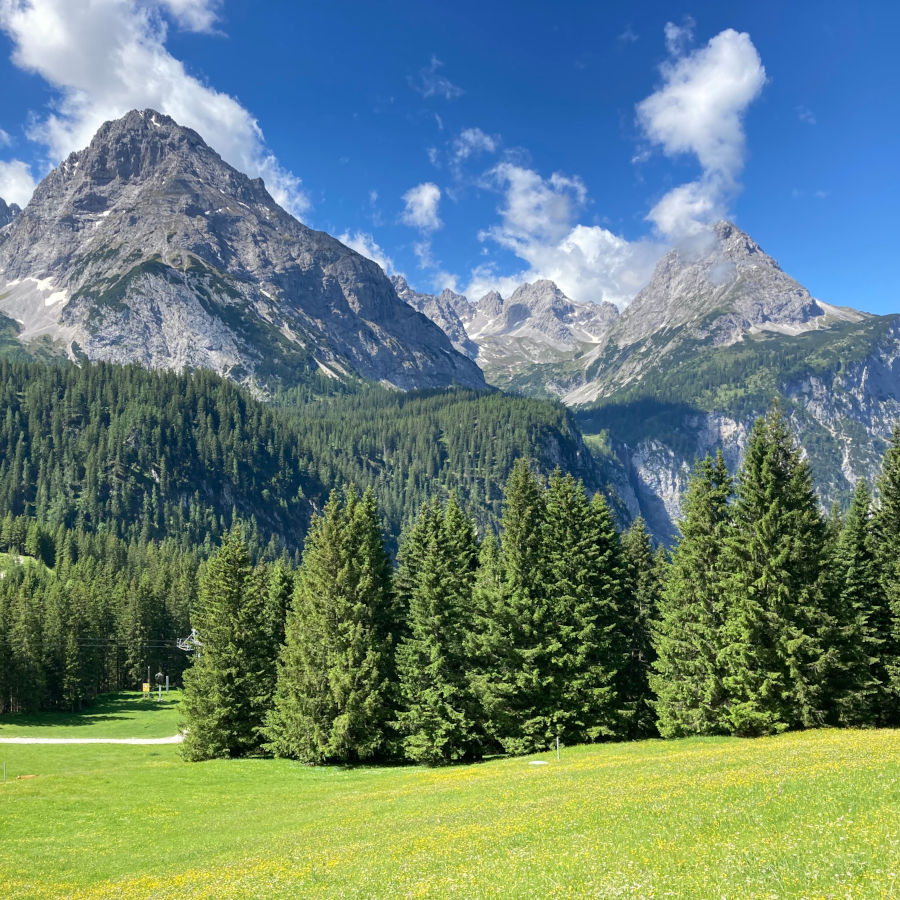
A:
[808,814]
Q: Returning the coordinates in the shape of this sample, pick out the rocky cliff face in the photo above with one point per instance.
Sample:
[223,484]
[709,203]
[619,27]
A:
[7,212]
[446,310]
[147,247]
[536,325]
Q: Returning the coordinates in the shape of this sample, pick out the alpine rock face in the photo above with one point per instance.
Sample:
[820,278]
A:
[536,324]
[7,212]
[147,247]
[716,336]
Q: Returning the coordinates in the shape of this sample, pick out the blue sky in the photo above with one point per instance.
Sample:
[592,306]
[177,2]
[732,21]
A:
[476,144]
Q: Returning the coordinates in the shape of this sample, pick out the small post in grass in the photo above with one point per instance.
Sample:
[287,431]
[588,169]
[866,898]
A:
[557,746]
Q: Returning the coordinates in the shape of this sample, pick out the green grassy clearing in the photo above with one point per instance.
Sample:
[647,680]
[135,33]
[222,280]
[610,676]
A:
[808,815]
[123,715]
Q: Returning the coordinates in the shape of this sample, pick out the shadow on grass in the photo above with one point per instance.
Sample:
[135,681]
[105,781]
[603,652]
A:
[106,708]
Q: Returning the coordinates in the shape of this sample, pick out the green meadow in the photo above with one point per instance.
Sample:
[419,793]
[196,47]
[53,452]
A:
[809,814]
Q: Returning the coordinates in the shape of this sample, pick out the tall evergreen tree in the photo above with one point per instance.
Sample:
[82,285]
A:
[226,690]
[856,686]
[687,674]
[773,655]
[333,694]
[517,689]
[887,549]
[584,579]
[439,714]
[641,600]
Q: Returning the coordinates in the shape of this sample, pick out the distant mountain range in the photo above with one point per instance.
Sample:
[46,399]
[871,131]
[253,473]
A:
[147,248]
[718,334]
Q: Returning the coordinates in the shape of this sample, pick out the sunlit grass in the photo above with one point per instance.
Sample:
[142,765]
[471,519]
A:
[124,715]
[812,814]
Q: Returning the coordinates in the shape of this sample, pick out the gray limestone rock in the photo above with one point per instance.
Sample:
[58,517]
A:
[147,247]
[7,212]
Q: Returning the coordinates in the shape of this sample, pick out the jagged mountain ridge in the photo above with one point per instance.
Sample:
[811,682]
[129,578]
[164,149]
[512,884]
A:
[147,247]
[7,213]
[704,348]
[536,323]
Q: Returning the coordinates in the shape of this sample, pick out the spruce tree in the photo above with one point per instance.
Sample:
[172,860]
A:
[226,689]
[439,716]
[517,692]
[856,686]
[774,666]
[334,691]
[687,674]
[584,578]
[887,550]
[640,609]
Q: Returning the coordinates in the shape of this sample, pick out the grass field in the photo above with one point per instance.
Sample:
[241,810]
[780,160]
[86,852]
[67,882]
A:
[814,814]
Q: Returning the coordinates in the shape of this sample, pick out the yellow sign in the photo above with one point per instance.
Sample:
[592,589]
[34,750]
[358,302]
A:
[145,687]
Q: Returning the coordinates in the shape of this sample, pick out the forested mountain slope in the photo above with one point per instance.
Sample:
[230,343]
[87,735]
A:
[160,454]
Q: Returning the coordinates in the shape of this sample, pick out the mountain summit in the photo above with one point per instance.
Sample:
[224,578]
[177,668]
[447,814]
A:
[147,247]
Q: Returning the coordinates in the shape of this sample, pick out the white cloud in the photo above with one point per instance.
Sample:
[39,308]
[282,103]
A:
[806,115]
[364,243]
[421,207]
[471,142]
[628,36]
[430,83]
[17,184]
[193,15]
[699,110]
[5,139]
[105,57]
[538,224]
[679,37]
[535,208]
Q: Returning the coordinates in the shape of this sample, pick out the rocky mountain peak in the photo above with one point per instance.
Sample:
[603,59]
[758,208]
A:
[722,286]
[447,310]
[147,247]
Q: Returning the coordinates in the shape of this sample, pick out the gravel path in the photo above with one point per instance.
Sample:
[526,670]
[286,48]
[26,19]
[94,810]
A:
[174,739]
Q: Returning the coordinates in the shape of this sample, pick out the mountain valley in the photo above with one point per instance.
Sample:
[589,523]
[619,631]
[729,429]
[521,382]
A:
[147,248]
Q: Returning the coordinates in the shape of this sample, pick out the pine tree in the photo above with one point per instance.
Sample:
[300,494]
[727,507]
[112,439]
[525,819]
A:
[687,674]
[774,615]
[856,686]
[333,695]
[585,582]
[641,600]
[887,550]
[515,693]
[439,713]
[226,690]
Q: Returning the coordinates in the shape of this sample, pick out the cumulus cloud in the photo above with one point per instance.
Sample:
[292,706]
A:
[429,82]
[105,57]
[699,110]
[16,182]
[538,224]
[421,207]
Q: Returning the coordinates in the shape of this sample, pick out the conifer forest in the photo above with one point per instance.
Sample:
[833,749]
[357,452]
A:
[405,598]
